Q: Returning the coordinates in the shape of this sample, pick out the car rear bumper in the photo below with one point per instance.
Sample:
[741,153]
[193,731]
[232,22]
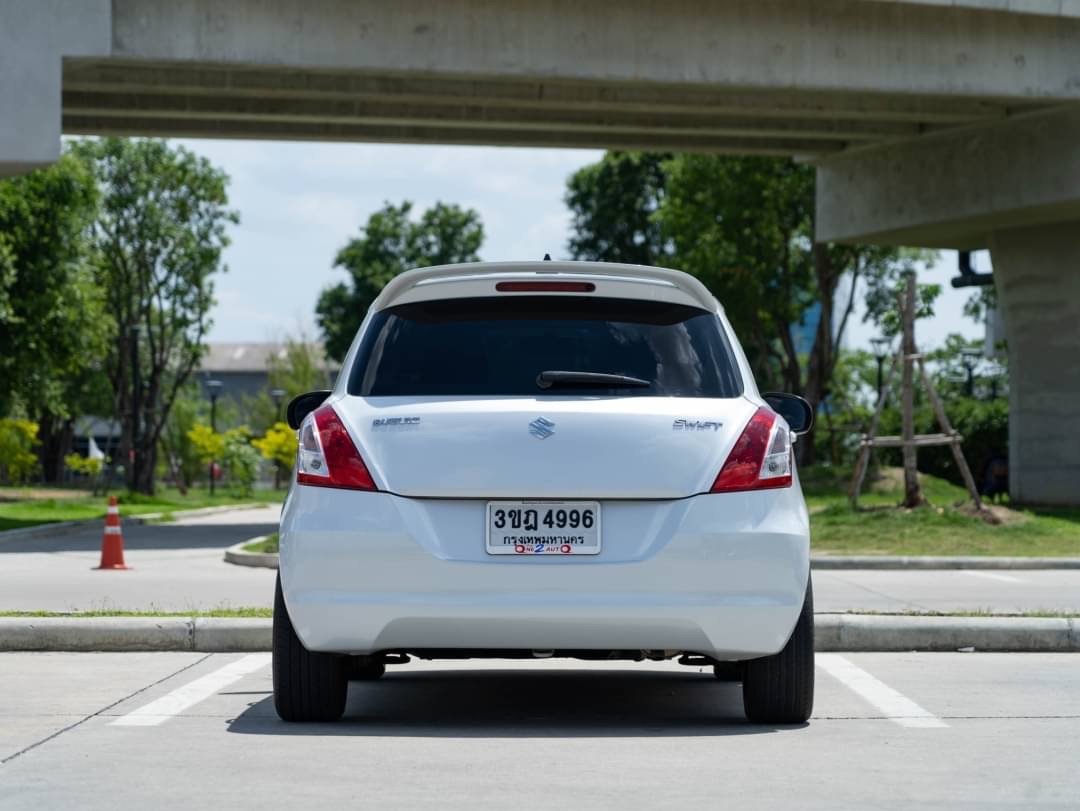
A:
[723,575]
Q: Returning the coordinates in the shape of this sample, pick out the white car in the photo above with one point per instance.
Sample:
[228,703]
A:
[545,459]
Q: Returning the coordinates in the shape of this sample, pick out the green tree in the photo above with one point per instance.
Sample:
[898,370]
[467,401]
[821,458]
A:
[53,324]
[745,226]
[390,243]
[615,203]
[160,235]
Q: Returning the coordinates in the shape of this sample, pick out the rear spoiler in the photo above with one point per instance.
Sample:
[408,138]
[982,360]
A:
[402,284]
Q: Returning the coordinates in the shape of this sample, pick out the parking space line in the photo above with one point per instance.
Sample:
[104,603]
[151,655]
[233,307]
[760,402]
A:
[190,694]
[895,705]
[1004,578]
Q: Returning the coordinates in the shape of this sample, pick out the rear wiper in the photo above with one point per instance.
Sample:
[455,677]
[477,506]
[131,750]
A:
[591,380]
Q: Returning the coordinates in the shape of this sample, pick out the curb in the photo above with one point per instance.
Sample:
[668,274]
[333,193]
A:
[868,632]
[263,560]
[203,634]
[938,562]
[149,518]
[834,632]
[64,527]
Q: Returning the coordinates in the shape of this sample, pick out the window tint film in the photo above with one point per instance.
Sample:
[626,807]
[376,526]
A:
[499,346]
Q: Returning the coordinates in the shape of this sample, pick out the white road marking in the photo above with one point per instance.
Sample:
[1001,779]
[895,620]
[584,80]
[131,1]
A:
[896,706]
[1004,578]
[172,704]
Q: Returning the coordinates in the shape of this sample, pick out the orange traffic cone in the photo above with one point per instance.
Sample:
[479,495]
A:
[112,542]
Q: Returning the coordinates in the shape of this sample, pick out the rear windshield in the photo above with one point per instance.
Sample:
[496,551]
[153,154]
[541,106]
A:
[499,346]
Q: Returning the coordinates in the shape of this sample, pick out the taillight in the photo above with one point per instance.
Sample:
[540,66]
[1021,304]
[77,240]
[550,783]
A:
[327,456]
[761,457]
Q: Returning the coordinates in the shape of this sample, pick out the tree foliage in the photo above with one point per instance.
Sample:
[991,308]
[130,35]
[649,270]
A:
[392,242]
[18,439]
[159,238]
[53,326]
[615,205]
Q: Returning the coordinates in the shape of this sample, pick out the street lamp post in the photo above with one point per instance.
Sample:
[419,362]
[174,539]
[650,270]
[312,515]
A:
[881,351]
[136,411]
[277,395]
[996,373]
[970,359]
[213,389]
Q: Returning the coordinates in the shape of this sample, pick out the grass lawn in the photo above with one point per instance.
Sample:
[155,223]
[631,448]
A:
[267,544]
[879,528]
[24,507]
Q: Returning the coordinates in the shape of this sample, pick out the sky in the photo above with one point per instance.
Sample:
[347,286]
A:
[299,203]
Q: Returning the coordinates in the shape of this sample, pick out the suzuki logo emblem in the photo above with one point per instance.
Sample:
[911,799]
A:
[541,428]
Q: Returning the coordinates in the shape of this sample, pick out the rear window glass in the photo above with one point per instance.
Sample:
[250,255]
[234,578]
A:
[499,346]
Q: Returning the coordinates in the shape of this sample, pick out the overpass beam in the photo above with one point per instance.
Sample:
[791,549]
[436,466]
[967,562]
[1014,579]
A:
[1012,187]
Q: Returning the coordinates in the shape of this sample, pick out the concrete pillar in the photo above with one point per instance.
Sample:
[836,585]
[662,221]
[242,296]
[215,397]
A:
[35,36]
[1037,273]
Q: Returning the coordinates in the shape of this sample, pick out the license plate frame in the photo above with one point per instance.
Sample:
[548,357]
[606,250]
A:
[555,541]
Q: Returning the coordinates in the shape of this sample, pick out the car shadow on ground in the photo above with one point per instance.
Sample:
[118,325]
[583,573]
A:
[527,704]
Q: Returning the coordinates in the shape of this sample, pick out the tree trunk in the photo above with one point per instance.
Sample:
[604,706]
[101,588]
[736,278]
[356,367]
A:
[144,482]
[55,435]
[912,494]
[819,367]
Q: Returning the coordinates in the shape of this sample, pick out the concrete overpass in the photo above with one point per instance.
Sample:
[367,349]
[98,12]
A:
[943,123]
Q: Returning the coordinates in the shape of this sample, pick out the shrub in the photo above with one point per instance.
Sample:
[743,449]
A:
[241,459]
[278,445]
[83,465]
[18,438]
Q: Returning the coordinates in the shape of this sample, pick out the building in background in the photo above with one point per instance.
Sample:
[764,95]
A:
[244,368]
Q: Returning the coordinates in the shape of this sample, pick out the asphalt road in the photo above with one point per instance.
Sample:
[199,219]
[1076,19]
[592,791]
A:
[179,567]
[174,730]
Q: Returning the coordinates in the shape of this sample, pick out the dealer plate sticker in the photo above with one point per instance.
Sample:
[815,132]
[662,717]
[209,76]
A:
[543,528]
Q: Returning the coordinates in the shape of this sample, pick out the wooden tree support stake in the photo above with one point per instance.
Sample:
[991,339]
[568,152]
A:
[906,358]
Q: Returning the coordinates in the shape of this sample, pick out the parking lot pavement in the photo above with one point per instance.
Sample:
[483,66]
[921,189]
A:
[187,730]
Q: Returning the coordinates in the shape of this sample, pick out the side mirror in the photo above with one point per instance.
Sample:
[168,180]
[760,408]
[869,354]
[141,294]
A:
[303,405]
[794,409]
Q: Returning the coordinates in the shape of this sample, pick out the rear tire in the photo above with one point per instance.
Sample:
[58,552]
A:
[779,689]
[308,686]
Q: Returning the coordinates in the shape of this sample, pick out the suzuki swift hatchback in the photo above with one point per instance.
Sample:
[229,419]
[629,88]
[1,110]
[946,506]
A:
[545,459]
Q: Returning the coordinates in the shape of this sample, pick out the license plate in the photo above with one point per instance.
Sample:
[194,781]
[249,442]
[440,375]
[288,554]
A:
[543,528]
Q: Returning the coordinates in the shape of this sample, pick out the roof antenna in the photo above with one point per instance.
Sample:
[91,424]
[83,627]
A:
[547,257]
